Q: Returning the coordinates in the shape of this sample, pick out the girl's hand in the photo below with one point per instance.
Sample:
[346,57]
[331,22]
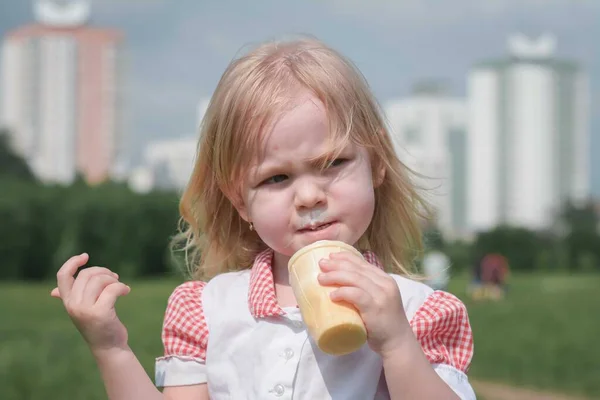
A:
[90,302]
[375,295]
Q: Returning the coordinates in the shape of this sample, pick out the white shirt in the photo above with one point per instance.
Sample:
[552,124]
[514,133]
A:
[225,334]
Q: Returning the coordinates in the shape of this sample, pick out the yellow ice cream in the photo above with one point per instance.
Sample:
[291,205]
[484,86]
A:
[336,327]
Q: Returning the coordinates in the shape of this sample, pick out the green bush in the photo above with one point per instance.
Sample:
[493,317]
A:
[45,225]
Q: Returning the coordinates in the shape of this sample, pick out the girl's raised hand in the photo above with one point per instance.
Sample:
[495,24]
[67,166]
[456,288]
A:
[90,302]
[375,295]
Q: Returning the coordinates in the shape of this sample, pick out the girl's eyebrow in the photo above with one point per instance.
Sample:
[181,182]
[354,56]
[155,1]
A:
[325,158]
[321,160]
[267,168]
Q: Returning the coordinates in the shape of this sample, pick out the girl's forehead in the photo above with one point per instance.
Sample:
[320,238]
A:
[305,121]
[300,128]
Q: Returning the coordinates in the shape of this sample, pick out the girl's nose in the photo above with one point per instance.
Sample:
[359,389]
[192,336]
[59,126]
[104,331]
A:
[309,194]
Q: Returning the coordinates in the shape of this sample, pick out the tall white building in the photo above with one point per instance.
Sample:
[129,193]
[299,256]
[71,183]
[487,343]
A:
[171,161]
[528,136]
[429,130]
[61,96]
[168,163]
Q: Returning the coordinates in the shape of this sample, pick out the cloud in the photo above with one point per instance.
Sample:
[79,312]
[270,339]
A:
[416,12]
[166,97]
[194,34]
[220,43]
[116,8]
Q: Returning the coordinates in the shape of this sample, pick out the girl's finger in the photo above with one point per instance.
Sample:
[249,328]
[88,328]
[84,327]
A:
[342,278]
[356,266]
[55,293]
[355,296]
[65,277]
[335,264]
[79,286]
[95,286]
[345,255]
[109,295]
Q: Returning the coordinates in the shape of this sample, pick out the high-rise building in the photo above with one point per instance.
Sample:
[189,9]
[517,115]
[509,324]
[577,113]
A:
[171,161]
[61,96]
[528,136]
[429,131]
[168,163]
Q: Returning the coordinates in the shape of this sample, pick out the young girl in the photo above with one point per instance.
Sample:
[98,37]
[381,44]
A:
[293,149]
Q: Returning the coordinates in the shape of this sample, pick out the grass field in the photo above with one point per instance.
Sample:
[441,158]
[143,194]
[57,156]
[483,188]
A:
[545,335]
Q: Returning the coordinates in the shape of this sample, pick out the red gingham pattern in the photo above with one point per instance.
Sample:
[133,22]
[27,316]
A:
[442,327]
[372,259]
[262,299]
[185,333]
[261,293]
[441,324]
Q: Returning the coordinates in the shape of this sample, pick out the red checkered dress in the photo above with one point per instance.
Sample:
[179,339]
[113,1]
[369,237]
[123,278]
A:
[441,324]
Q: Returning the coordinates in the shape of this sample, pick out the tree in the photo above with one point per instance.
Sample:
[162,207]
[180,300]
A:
[582,239]
[580,218]
[11,164]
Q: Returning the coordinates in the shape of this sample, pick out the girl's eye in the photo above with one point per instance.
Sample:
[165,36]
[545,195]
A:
[275,179]
[337,162]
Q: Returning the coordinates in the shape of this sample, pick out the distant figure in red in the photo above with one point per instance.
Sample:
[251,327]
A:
[494,272]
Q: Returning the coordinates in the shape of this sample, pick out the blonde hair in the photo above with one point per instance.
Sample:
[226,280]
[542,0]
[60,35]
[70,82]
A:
[255,89]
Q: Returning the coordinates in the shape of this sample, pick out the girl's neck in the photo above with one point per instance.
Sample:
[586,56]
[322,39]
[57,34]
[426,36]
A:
[280,269]
[283,290]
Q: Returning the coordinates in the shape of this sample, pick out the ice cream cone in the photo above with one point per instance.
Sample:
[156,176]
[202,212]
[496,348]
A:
[336,327]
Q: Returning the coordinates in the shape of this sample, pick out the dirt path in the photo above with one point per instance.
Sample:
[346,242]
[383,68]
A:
[497,391]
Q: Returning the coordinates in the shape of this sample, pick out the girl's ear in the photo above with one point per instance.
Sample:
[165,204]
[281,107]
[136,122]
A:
[240,206]
[378,174]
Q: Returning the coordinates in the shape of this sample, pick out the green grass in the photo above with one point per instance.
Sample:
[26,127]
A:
[42,355]
[544,335]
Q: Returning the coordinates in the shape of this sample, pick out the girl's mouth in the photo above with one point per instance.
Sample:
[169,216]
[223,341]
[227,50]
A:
[317,227]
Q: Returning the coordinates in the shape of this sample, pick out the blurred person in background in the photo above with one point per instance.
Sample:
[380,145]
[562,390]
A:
[436,268]
[494,275]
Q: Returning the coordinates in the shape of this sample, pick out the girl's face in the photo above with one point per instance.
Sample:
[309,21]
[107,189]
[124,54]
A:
[291,200]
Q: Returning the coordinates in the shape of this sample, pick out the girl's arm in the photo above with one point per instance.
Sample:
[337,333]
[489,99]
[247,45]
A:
[125,378]
[409,375]
[434,360]
[193,392]
[89,300]
[426,358]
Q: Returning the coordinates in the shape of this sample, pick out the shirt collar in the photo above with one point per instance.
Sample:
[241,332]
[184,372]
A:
[262,300]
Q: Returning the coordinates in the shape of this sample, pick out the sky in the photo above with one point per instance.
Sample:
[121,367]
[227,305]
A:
[177,50]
